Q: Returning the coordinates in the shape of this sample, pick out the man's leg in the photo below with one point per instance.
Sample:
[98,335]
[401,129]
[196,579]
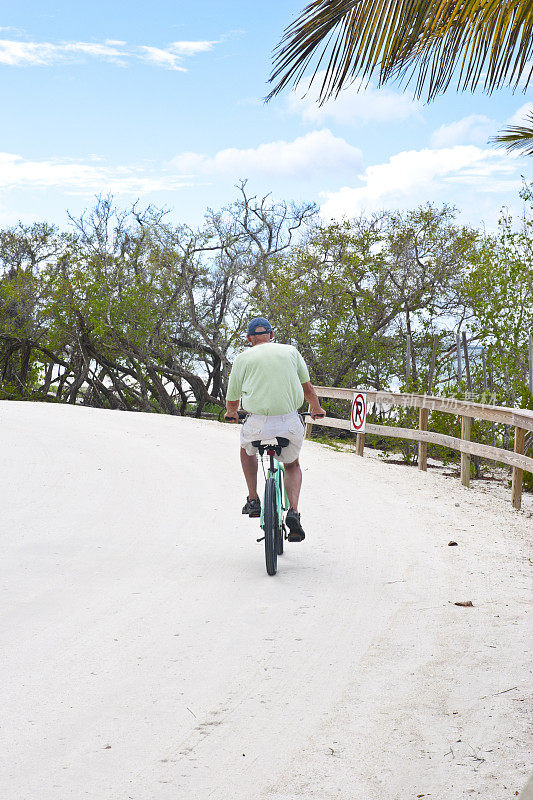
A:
[249,467]
[293,482]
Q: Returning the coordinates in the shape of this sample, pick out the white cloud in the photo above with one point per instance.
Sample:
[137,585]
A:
[16,53]
[191,48]
[174,53]
[520,115]
[316,153]
[416,176]
[357,104]
[474,129]
[105,52]
[163,58]
[79,178]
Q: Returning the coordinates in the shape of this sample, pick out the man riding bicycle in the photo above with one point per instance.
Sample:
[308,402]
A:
[272,379]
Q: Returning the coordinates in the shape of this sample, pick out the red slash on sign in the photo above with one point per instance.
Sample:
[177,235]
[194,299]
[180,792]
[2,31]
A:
[358,415]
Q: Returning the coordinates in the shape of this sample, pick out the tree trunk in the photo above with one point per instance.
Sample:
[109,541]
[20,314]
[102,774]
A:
[414,372]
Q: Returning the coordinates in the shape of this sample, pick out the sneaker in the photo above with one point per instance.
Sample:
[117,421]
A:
[296,532]
[252,507]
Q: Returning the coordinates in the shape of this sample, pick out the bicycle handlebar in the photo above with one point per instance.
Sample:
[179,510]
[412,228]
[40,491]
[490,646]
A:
[241,416]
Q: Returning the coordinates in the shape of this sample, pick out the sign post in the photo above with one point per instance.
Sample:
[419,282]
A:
[358,420]
[358,415]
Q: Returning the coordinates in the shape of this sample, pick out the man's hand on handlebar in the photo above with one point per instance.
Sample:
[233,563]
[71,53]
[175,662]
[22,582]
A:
[316,412]
[232,411]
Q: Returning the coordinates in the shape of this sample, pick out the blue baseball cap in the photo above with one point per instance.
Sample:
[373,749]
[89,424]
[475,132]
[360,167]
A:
[258,322]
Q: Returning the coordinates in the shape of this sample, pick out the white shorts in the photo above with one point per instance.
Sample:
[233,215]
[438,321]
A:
[257,426]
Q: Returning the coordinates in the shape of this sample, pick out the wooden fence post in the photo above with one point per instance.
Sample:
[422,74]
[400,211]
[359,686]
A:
[423,414]
[516,491]
[466,429]
[360,444]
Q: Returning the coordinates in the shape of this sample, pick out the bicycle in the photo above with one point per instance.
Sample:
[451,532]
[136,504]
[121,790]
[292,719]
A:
[275,501]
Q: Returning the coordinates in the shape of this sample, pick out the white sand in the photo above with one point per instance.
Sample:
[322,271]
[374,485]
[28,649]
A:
[146,655]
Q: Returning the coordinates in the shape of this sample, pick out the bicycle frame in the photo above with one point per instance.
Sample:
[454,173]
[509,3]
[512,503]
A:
[276,470]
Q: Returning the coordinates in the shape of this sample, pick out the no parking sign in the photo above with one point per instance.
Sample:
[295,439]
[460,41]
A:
[358,415]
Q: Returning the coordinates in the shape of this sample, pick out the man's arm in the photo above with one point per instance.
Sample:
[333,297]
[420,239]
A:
[315,409]
[232,410]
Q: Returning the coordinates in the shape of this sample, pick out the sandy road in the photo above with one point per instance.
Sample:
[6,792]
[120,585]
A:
[145,653]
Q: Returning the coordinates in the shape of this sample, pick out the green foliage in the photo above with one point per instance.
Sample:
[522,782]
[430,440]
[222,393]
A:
[128,311]
[349,291]
[517,138]
[499,290]
[431,43]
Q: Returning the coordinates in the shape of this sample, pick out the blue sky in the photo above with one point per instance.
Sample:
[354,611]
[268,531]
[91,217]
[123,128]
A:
[162,102]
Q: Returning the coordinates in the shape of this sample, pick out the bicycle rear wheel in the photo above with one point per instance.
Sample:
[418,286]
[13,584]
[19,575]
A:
[270,526]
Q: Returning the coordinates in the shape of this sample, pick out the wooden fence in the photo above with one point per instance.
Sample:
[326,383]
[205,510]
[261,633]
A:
[521,419]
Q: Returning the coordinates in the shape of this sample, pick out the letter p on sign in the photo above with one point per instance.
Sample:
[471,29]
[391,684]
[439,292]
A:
[358,415]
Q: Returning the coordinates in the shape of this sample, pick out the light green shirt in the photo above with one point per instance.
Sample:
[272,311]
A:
[269,379]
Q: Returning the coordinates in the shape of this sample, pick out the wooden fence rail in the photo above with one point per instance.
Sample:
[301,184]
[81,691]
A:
[521,419]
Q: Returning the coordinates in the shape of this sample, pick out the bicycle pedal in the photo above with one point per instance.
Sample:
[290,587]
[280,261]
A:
[262,539]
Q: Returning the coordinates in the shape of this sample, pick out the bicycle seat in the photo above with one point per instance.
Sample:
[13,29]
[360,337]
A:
[277,443]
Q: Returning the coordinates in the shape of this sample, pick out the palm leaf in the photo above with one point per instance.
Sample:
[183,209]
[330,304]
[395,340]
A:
[517,137]
[425,42]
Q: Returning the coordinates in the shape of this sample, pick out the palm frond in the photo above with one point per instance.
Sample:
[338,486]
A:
[517,137]
[425,42]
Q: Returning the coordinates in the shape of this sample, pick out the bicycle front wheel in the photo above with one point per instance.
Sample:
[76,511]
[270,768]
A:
[270,526]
